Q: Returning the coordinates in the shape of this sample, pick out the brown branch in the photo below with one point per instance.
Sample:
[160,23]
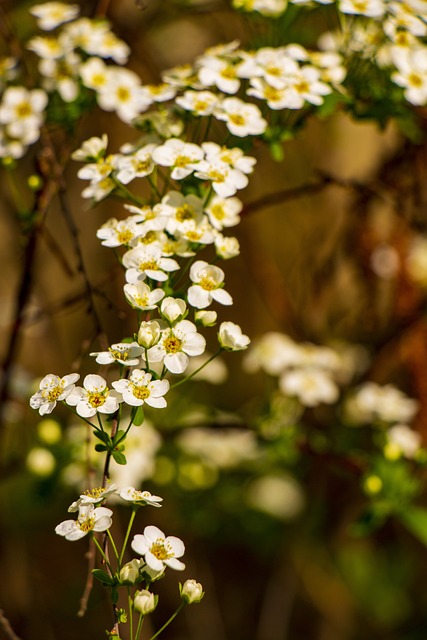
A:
[5,625]
[310,189]
[89,580]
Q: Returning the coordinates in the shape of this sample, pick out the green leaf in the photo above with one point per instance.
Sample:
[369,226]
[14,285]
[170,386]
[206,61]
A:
[104,437]
[119,435]
[114,596]
[139,417]
[103,577]
[101,447]
[119,457]
[415,519]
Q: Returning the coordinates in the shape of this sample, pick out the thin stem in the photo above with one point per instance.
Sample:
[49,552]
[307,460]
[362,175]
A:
[173,616]
[131,519]
[113,544]
[139,627]
[130,605]
[101,551]
[197,370]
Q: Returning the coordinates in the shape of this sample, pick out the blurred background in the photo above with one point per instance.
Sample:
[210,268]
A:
[271,499]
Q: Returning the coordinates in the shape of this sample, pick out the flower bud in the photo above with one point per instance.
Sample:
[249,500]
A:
[149,334]
[231,338]
[226,247]
[191,591]
[206,318]
[129,573]
[173,309]
[145,602]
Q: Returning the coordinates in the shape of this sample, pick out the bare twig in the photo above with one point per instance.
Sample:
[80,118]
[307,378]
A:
[5,625]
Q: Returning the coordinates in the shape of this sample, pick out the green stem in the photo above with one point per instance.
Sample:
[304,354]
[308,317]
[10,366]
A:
[130,605]
[101,551]
[113,544]
[81,417]
[173,616]
[139,627]
[197,370]
[131,519]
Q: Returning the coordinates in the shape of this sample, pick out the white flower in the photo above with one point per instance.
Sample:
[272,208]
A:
[147,261]
[90,518]
[140,296]
[137,165]
[115,233]
[176,345]
[21,110]
[182,156]
[224,212]
[225,181]
[92,497]
[52,389]
[234,157]
[131,571]
[61,76]
[91,149]
[226,247]
[311,386]
[130,494]
[140,389]
[412,74]
[125,353]
[273,352]
[173,309]
[95,396]
[402,440]
[159,551]
[149,334]
[208,282]
[219,72]
[122,94]
[242,119]
[145,601]
[369,8]
[94,74]
[271,8]
[180,209]
[191,591]
[375,402]
[51,14]
[231,338]
[46,47]
[206,318]
[200,103]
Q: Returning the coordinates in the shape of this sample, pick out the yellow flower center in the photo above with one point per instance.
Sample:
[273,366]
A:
[118,355]
[87,525]
[98,492]
[124,236]
[238,119]
[159,550]
[228,72]
[184,213]
[182,161]
[51,395]
[415,80]
[172,344]
[149,237]
[148,264]
[218,211]
[140,392]
[97,399]
[123,94]
[23,109]
[207,284]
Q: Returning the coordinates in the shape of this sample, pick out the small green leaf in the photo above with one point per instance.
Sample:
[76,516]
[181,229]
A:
[114,596]
[119,457]
[139,417]
[101,435]
[101,447]
[119,435]
[103,577]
